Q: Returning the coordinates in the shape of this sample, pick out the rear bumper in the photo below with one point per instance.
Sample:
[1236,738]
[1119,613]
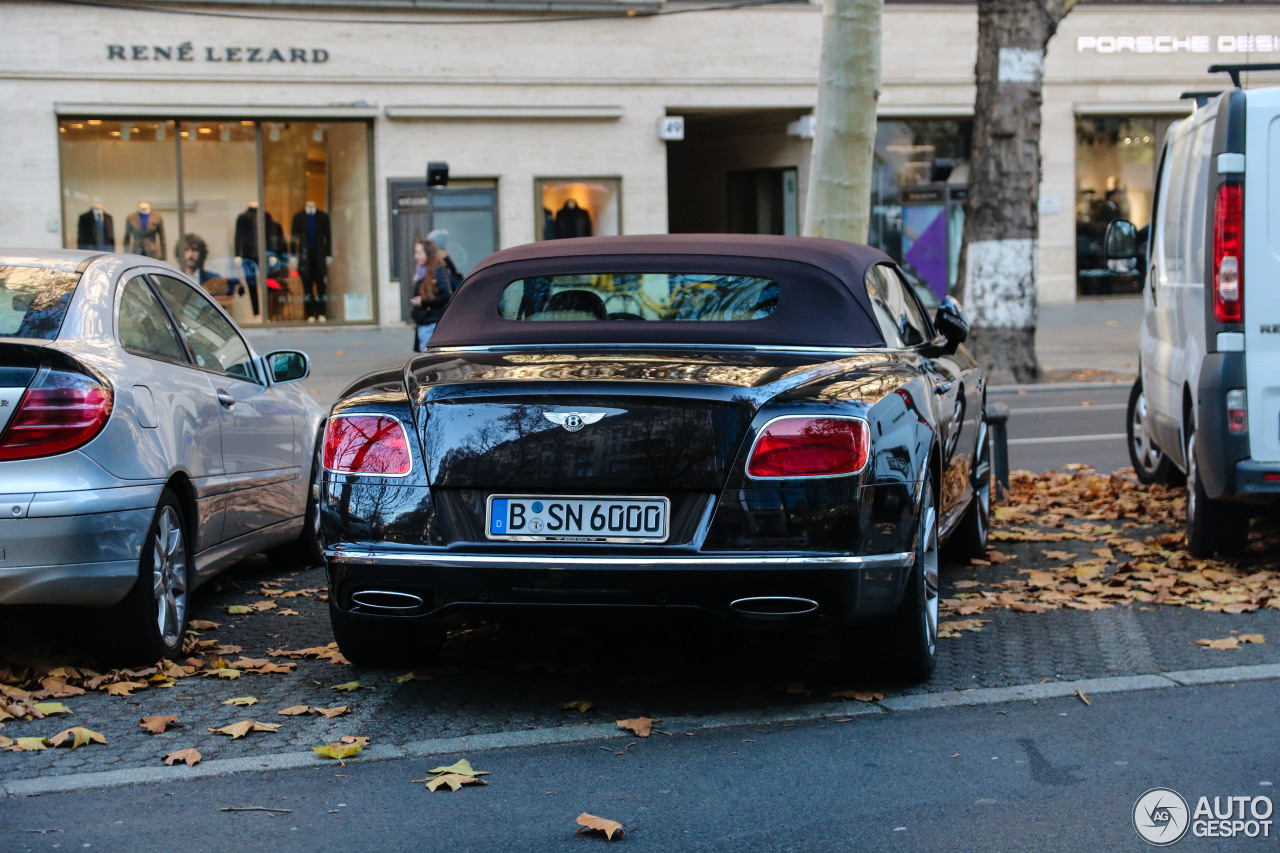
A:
[1251,478]
[87,559]
[458,586]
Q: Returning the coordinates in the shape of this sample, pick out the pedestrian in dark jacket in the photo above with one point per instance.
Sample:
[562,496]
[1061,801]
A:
[433,285]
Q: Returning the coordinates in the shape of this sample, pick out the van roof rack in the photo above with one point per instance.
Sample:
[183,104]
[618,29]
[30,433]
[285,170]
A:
[1234,70]
[1201,98]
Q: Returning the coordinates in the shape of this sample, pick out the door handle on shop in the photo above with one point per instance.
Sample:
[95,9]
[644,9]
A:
[225,398]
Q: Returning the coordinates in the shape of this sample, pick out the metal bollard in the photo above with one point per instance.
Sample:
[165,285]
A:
[997,422]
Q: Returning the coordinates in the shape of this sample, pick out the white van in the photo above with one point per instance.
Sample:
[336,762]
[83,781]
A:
[1207,400]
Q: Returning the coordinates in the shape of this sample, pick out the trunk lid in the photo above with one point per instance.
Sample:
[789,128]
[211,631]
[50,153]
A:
[640,422]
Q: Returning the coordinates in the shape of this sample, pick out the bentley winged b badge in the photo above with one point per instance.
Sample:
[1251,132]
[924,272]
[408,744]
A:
[573,421]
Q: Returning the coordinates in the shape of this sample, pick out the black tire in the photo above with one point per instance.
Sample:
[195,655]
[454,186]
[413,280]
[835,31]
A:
[913,632]
[1149,462]
[1213,526]
[969,539]
[380,642]
[149,624]
[307,551]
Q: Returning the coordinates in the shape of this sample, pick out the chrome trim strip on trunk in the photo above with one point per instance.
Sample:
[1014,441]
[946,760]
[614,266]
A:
[444,559]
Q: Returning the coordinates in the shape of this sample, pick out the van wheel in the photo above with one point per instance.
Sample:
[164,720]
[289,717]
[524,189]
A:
[1149,462]
[1212,525]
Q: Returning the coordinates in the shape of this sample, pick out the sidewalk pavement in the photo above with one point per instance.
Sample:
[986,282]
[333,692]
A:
[1090,340]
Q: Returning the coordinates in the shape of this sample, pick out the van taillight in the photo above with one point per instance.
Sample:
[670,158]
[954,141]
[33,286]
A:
[810,447]
[62,410]
[375,445]
[1228,253]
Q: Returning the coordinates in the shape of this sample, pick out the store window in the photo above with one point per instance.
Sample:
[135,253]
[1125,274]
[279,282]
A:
[578,207]
[272,217]
[1115,177]
[920,176]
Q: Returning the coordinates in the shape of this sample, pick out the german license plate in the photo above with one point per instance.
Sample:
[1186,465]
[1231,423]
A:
[577,519]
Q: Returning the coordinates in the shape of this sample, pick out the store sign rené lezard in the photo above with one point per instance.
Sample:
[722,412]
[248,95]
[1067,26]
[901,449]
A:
[188,52]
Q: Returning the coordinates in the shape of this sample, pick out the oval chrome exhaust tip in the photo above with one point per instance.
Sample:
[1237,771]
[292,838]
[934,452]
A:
[774,606]
[387,600]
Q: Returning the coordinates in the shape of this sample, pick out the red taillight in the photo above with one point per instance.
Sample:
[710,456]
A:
[61,411]
[1228,253]
[810,447]
[366,444]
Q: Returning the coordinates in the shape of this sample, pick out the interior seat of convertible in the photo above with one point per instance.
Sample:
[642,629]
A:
[573,305]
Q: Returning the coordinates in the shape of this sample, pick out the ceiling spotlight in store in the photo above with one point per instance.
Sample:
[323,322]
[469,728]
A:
[206,130]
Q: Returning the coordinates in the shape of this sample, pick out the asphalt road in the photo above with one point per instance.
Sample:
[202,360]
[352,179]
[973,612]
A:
[1051,426]
[1048,775]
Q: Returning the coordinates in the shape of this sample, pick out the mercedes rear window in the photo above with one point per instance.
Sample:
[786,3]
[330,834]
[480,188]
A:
[33,301]
[639,296]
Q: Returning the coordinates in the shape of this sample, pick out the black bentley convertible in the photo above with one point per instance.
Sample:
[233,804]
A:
[759,428]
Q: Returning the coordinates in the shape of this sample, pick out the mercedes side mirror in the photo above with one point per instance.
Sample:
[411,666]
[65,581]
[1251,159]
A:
[1121,246]
[287,366]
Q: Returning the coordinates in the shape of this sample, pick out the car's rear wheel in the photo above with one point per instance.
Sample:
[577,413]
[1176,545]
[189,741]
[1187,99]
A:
[970,537]
[151,621]
[1213,526]
[377,642]
[913,634]
[1149,462]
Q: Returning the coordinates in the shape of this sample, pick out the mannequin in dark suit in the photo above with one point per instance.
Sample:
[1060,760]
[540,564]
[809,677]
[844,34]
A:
[311,241]
[572,221]
[144,232]
[246,245]
[95,230]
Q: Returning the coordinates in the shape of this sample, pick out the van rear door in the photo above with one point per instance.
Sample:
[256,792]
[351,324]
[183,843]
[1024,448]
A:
[1261,271]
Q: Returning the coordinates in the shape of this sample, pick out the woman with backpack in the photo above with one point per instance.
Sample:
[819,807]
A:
[432,287]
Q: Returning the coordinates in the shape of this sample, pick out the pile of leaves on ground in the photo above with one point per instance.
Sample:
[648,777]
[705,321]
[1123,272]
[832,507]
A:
[1105,540]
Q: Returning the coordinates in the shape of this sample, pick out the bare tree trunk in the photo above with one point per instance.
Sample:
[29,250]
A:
[998,257]
[839,200]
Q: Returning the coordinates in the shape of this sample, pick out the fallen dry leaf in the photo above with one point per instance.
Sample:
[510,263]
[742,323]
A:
[203,624]
[1225,644]
[78,736]
[27,744]
[158,724]
[242,728]
[591,823]
[580,705]
[45,709]
[124,688]
[330,713]
[454,776]
[242,701]
[338,751]
[858,695]
[295,710]
[351,686]
[640,726]
[187,756]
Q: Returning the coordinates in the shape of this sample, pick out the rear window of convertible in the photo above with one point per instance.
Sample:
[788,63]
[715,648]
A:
[639,296]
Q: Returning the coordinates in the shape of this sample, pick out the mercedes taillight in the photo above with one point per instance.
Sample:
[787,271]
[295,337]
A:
[1228,253]
[801,446]
[60,411]
[373,445]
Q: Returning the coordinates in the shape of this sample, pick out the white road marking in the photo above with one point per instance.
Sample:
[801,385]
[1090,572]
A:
[1064,439]
[1053,410]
